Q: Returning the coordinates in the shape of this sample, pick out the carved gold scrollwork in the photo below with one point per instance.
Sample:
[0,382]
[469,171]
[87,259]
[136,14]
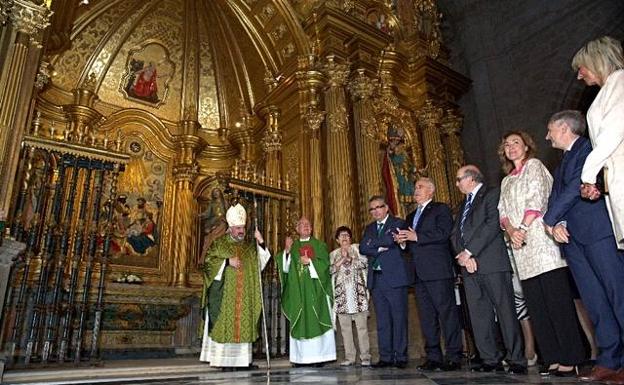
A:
[313,119]
[43,75]
[336,73]
[427,21]
[361,86]
[273,139]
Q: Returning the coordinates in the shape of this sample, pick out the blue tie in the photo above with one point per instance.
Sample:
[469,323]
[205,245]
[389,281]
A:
[417,216]
[467,208]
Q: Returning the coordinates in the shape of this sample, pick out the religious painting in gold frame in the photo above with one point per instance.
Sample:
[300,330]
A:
[137,217]
[148,72]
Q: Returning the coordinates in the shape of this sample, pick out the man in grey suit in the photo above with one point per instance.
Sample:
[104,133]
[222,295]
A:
[482,255]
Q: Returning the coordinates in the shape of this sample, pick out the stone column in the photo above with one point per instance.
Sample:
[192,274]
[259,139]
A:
[430,117]
[366,143]
[342,194]
[185,169]
[451,128]
[20,51]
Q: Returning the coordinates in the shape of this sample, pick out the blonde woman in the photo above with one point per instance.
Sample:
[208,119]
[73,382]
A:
[601,62]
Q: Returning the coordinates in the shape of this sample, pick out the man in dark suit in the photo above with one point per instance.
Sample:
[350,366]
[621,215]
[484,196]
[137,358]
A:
[427,240]
[482,255]
[388,280]
[584,230]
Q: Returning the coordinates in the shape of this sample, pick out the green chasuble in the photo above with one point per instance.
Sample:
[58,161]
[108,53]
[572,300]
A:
[234,305]
[304,299]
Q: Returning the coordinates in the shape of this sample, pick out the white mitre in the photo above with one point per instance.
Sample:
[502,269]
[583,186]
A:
[236,215]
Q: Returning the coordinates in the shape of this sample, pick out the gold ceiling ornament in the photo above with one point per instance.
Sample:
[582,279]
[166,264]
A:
[27,17]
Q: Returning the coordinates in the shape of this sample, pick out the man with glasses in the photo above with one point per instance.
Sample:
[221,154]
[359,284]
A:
[481,252]
[388,280]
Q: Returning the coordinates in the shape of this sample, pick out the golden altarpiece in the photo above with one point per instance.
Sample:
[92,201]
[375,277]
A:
[128,126]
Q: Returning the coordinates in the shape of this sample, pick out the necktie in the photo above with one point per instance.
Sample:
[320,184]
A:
[417,216]
[379,228]
[467,208]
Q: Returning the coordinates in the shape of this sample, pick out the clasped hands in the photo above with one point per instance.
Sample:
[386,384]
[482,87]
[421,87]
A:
[559,232]
[402,236]
[466,260]
[516,236]
[590,191]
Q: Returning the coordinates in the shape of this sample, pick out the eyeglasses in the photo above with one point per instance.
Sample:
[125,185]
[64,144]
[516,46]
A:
[459,179]
[376,207]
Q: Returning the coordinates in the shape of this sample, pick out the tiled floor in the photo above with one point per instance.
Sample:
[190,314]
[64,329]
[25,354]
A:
[329,375]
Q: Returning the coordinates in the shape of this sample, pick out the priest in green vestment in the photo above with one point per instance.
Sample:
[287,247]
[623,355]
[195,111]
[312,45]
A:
[232,294]
[307,297]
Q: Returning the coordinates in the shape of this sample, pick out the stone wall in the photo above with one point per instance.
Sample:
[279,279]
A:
[518,55]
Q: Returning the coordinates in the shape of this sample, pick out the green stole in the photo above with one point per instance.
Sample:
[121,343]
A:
[234,305]
[305,300]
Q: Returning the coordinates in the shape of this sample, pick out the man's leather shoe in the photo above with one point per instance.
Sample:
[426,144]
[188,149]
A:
[617,379]
[382,364]
[401,364]
[487,368]
[517,369]
[430,365]
[450,366]
[598,374]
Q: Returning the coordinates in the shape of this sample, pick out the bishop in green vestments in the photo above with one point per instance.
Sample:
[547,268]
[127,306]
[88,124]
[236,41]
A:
[307,297]
[232,294]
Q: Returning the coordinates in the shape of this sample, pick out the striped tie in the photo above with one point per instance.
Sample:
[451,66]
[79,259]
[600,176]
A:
[467,208]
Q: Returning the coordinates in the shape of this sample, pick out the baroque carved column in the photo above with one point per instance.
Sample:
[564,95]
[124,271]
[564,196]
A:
[272,146]
[20,51]
[310,81]
[430,117]
[185,171]
[366,142]
[339,177]
[451,128]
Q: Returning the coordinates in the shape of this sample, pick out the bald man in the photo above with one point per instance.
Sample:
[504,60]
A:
[481,252]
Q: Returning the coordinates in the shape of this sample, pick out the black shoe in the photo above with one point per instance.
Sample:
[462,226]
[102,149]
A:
[429,366]
[401,364]
[567,373]
[382,364]
[545,371]
[517,369]
[487,368]
[451,366]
